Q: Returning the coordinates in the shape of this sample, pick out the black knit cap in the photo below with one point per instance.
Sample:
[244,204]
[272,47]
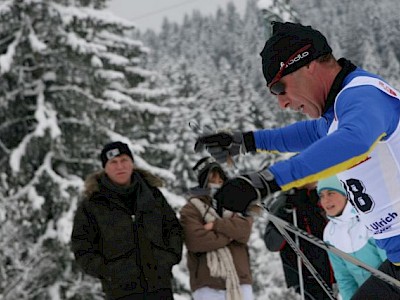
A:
[114,149]
[291,47]
[204,167]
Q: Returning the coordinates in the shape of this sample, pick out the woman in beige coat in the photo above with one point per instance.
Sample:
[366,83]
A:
[218,258]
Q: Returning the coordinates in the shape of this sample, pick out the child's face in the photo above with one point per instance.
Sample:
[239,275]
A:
[215,178]
[332,202]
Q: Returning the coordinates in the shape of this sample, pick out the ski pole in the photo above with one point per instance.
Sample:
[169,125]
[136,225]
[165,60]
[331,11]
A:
[299,262]
[297,250]
[318,242]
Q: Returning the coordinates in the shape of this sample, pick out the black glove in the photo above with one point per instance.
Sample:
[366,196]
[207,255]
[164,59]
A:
[237,193]
[222,145]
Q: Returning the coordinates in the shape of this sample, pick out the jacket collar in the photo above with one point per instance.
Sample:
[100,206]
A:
[347,68]
[348,214]
[142,181]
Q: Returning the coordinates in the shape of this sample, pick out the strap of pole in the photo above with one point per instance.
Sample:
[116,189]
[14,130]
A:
[316,241]
[299,253]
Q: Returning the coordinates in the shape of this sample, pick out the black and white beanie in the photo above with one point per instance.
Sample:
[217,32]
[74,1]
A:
[114,149]
[204,167]
[291,47]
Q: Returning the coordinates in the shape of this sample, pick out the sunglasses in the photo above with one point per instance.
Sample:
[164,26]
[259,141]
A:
[276,87]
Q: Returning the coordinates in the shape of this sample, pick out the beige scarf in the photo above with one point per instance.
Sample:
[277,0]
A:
[220,261]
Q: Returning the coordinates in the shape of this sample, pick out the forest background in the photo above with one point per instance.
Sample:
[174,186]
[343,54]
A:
[74,77]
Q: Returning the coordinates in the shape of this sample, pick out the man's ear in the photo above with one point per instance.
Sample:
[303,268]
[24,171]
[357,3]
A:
[311,66]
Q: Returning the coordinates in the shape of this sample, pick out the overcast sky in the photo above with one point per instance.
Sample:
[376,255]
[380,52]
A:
[148,14]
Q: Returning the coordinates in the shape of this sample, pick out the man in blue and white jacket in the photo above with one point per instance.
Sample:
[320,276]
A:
[355,133]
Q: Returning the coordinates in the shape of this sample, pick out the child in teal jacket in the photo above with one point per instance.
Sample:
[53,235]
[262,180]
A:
[345,232]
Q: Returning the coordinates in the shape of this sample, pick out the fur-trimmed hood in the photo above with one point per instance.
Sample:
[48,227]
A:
[92,181]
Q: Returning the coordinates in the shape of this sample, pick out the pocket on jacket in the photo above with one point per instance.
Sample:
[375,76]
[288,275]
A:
[163,257]
[124,274]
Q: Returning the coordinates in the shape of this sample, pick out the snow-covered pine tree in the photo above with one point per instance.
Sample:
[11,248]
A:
[177,55]
[71,80]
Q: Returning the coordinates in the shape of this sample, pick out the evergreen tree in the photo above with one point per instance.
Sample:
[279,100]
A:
[71,80]
[276,10]
[363,31]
